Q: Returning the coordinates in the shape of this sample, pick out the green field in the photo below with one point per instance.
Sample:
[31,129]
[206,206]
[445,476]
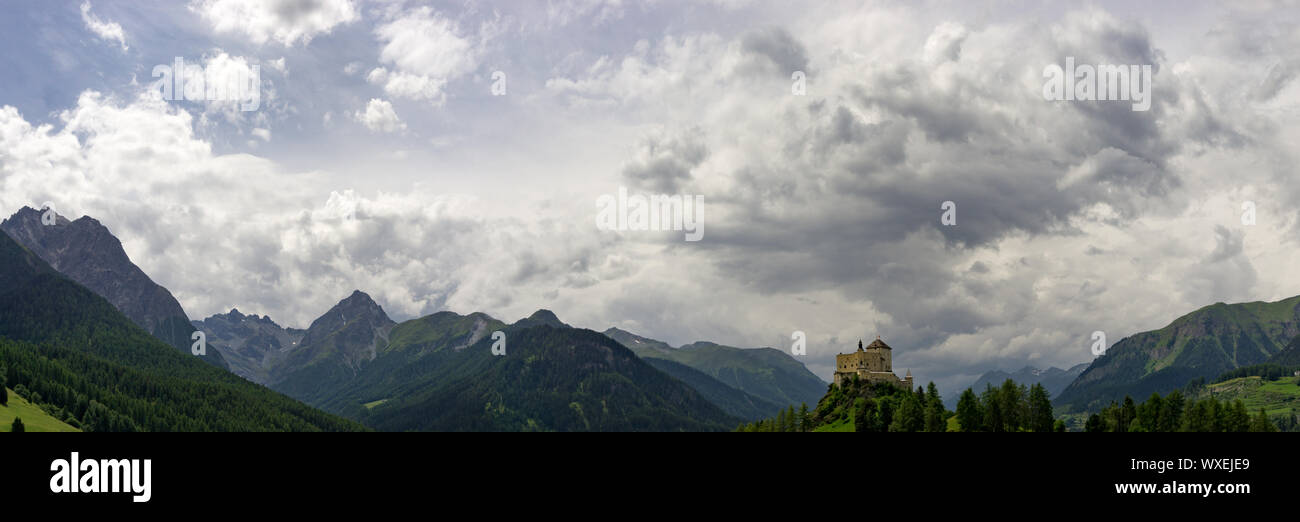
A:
[33,418]
[1275,397]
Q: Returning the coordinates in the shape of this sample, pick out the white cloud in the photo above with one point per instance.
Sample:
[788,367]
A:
[406,85]
[225,230]
[379,116]
[821,209]
[285,21]
[106,30]
[426,51]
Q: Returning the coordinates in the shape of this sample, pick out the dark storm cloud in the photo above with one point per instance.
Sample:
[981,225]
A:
[777,46]
[664,163]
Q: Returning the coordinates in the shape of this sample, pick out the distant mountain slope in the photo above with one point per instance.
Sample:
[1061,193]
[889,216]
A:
[86,252]
[552,379]
[250,343]
[78,353]
[416,358]
[1204,343]
[1290,355]
[766,373]
[438,373]
[735,402]
[1053,379]
[334,349]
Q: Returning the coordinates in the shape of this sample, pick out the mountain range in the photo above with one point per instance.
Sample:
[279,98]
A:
[250,344]
[76,305]
[772,376]
[86,252]
[1202,344]
[435,372]
[1053,379]
[84,362]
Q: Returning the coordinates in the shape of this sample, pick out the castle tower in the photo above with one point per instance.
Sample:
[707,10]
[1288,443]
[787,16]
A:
[872,363]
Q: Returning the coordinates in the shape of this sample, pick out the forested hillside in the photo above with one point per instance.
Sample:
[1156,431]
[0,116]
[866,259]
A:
[72,352]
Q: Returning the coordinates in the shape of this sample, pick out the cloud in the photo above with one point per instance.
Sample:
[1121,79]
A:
[822,209]
[285,21]
[663,161]
[379,116]
[777,46]
[426,51]
[225,230]
[837,194]
[105,30]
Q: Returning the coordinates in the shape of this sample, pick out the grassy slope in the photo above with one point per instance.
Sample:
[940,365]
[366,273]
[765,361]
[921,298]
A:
[1275,397]
[34,419]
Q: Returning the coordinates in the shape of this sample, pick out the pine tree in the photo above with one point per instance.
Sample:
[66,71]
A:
[885,413]
[780,421]
[1094,424]
[1262,424]
[791,424]
[910,416]
[18,426]
[1127,414]
[969,413]
[805,419]
[864,417]
[935,421]
[1171,412]
[4,396]
[1199,417]
[1040,410]
[1237,419]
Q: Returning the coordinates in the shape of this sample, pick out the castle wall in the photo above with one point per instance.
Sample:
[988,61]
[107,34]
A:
[873,365]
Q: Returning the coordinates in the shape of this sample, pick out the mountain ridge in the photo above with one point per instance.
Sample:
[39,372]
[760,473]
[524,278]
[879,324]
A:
[1203,343]
[86,251]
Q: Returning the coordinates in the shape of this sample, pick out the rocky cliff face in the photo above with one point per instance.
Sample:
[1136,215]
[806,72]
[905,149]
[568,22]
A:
[335,347]
[86,252]
[251,344]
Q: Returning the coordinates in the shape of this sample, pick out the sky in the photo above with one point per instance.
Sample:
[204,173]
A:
[455,156]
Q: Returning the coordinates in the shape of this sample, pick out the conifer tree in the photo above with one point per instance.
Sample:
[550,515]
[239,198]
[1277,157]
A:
[935,421]
[1094,424]
[969,413]
[1040,410]
[1261,423]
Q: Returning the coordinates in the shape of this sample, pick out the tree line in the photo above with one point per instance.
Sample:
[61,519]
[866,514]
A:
[1007,408]
[1175,412]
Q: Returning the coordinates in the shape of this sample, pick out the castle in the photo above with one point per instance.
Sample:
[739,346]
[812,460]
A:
[872,364]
